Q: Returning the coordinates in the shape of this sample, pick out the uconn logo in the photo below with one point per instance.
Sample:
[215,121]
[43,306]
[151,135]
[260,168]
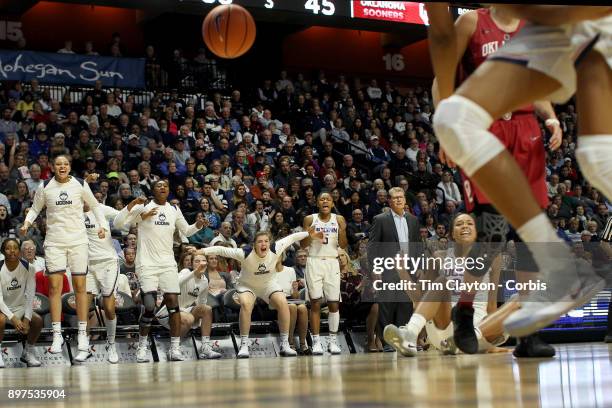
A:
[88,223]
[63,199]
[161,220]
[14,285]
[262,270]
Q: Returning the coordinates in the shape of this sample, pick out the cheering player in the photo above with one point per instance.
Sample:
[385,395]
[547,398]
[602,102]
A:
[66,243]
[323,270]
[155,263]
[257,280]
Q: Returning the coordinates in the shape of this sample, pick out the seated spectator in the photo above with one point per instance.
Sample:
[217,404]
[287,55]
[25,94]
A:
[225,236]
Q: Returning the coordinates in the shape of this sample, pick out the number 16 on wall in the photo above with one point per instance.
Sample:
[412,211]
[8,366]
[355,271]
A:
[394,62]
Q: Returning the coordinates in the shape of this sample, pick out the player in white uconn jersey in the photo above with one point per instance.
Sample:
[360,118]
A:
[192,302]
[155,263]
[66,243]
[103,275]
[257,280]
[323,270]
[16,296]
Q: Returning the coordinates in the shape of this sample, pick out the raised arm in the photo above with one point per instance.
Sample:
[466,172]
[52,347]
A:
[127,215]
[234,253]
[183,227]
[289,240]
[305,243]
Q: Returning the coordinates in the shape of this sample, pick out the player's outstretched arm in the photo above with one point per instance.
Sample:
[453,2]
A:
[442,47]
[129,213]
[556,15]
[305,243]
[283,244]
[234,253]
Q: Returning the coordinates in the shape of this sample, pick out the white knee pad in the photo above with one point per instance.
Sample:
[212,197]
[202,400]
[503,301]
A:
[594,155]
[461,127]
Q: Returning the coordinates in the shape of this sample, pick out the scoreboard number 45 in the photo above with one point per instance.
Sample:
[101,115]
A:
[326,8]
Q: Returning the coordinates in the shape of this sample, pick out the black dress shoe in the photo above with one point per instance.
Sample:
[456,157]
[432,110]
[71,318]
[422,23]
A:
[463,329]
[533,346]
[608,338]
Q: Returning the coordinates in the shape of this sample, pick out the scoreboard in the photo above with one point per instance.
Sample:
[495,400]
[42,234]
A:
[407,12]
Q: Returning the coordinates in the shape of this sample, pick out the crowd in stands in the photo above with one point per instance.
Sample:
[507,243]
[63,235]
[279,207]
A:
[255,159]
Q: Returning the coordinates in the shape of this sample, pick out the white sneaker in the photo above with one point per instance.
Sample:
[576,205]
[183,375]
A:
[541,310]
[207,353]
[175,354]
[112,357]
[401,339]
[332,346]
[56,346]
[317,349]
[29,359]
[142,353]
[244,350]
[287,351]
[82,355]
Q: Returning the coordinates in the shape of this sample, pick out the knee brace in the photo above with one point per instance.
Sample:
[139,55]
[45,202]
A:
[148,301]
[461,127]
[593,155]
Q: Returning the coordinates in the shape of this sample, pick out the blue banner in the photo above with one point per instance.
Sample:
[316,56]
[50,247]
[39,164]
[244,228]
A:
[71,69]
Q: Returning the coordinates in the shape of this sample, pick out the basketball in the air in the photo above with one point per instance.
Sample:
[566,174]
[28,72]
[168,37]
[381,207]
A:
[229,31]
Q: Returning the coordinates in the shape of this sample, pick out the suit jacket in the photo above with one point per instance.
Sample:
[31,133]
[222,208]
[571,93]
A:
[384,242]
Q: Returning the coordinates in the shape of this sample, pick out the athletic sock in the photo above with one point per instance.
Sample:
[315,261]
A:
[111,328]
[315,338]
[142,341]
[175,342]
[552,255]
[333,321]
[205,340]
[244,339]
[57,328]
[28,347]
[284,337]
[416,323]
[82,328]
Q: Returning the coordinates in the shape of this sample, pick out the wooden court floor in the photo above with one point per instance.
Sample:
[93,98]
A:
[579,376]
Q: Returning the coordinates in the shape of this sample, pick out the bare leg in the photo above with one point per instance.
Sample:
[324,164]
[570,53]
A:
[82,298]
[279,302]
[36,325]
[302,323]
[292,322]
[2,325]
[205,314]
[371,326]
[247,301]
[175,318]
[56,282]
[315,316]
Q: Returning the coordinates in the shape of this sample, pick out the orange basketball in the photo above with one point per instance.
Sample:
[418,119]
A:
[229,30]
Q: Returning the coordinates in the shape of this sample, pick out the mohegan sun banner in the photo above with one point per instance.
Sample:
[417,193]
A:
[71,69]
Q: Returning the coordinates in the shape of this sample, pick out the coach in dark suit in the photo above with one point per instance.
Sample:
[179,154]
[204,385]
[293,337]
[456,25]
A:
[392,232]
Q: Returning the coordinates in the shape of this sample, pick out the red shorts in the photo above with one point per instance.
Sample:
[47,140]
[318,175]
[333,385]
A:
[523,138]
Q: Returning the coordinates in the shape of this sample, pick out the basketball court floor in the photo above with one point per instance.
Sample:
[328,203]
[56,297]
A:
[579,376]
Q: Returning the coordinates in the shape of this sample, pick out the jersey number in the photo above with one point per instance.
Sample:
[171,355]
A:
[325,240]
